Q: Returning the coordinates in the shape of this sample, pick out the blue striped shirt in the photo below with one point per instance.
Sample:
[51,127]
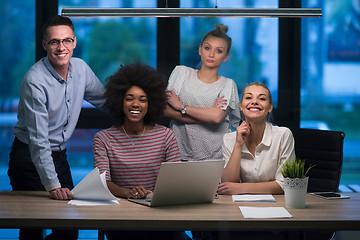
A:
[49,108]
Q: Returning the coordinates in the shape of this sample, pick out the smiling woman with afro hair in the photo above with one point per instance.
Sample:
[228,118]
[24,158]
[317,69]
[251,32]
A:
[145,77]
[132,151]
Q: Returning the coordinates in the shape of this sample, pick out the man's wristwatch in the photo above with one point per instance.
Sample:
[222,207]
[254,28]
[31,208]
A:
[183,111]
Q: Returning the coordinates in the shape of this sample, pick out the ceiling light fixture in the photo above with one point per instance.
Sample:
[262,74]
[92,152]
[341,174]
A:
[192,12]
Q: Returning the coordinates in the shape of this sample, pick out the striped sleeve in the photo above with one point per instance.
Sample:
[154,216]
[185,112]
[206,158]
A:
[134,160]
[172,153]
[101,159]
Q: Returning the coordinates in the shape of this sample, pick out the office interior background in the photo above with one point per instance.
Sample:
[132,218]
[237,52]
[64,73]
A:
[311,65]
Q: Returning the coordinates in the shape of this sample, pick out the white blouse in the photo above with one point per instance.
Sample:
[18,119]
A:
[203,141]
[276,147]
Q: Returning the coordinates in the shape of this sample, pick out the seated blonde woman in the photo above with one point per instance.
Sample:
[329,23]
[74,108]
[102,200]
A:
[255,152]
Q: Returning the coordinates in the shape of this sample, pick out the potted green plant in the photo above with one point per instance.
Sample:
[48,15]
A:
[295,169]
[295,182]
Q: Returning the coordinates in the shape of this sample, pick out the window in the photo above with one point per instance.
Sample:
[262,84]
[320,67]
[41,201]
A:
[254,51]
[329,68]
[330,92]
[18,55]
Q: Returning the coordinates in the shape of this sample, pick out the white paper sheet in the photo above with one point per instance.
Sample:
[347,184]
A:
[92,202]
[265,212]
[253,198]
[93,190]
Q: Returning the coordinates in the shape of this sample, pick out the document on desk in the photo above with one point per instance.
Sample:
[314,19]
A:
[93,190]
[265,212]
[253,198]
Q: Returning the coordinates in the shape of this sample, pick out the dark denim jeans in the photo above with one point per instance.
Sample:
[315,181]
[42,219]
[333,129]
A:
[24,177]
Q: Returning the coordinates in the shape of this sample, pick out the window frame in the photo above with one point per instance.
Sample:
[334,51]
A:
[168,56]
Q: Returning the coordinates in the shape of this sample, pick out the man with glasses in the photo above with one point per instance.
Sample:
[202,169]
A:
[51,97]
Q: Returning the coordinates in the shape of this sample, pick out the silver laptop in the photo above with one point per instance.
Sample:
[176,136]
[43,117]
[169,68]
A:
[185,183]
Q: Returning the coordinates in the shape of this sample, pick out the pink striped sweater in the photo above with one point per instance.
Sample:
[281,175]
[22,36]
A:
[135,161]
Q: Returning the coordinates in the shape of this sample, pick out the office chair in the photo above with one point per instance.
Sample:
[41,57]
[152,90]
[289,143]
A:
[324,149]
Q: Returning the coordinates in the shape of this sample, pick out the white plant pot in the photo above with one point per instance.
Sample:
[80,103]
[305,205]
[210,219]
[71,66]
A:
[295,192]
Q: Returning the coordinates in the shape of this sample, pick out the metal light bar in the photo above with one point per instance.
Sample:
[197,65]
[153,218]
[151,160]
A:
[192,12]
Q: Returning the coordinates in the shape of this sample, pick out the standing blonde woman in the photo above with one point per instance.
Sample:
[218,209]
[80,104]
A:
[203,104]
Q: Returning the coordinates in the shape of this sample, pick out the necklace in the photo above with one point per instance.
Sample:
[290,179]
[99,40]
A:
[133,143]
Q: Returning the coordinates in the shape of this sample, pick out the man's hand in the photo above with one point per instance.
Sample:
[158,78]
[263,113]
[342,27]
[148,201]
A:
[61,194]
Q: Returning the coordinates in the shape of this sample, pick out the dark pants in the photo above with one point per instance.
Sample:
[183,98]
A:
[24,177]
[260,235]
[146,235]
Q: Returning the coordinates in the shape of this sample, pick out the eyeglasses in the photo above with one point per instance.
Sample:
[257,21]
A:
[55,43]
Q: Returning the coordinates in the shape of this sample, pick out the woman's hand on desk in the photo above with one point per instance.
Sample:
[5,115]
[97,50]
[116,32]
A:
[138,192]
[229,188]
[61,194]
